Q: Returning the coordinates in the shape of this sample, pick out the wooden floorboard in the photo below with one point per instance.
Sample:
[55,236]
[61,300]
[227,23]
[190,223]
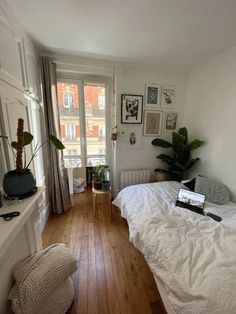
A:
[112,277]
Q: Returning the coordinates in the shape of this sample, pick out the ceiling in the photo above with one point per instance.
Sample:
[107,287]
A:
[167,34]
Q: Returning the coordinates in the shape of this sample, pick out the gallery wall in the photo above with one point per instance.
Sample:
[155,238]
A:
[143,156]
[210,114]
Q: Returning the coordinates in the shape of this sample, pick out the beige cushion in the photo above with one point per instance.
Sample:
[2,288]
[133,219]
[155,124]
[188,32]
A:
[56,303]
[39,276]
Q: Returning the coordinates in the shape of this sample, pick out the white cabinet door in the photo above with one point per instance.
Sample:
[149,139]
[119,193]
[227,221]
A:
[36,128]
[11,60]
[13,106]
[32,69]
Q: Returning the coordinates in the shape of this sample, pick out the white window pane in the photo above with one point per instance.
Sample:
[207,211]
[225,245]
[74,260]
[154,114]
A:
[95,119]
[68,105]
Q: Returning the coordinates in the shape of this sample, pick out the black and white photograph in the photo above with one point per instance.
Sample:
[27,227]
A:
[168,96]
[152,123]
[152,95]
[131,109]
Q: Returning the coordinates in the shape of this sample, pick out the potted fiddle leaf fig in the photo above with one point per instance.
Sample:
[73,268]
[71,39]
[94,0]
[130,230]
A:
[20,182]
[180,160]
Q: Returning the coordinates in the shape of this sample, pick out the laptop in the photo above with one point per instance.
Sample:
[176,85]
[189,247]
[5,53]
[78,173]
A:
[191,200]
[194,202]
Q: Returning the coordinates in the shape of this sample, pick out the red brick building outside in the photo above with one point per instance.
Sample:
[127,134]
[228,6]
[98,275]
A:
[69,112]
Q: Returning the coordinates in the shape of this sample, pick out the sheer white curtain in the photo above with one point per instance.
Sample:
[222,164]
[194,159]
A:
[58,178]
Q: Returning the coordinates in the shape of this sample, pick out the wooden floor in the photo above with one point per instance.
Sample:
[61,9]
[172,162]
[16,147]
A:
[112,276]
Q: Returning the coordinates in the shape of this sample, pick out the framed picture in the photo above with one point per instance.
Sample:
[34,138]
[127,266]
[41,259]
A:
[131,109]
[133,138]
[170,121]
[167,96]
[152,95]
[152,123]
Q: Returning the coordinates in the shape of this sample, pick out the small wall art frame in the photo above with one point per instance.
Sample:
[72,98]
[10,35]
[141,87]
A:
[167,96]
[131,109]
[152,123]
[170,121]
[133,137]
[152,95]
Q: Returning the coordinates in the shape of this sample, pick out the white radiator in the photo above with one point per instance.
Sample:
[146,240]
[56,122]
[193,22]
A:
[130,177]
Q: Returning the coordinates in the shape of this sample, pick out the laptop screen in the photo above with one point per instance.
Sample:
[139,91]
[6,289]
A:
[190,199]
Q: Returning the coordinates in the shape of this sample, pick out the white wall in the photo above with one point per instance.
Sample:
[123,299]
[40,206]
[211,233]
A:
[133,81]
[210,114]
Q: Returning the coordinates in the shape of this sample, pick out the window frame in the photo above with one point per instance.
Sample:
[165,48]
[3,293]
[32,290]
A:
[69,104]
[81,81]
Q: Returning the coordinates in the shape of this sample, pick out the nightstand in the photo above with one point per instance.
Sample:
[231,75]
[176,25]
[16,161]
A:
[101,192]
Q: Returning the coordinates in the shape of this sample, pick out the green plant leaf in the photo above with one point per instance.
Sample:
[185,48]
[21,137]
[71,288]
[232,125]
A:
[176,173]
[161,143]
[182,153]
[165,158]
[191,162]
[180,166]
[28,138]
[14,144]
[177,139]
[195,144]
[58,144]
[183,131]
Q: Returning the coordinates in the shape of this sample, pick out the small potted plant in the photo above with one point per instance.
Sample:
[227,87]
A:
[20,181]
[115,132]
[99,173]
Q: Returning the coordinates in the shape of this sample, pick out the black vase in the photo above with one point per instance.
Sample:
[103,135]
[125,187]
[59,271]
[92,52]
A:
[106,185]
[18,184]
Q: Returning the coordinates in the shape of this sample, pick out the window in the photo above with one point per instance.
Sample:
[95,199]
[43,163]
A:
[68,99]
[83,128]
[70,133]
[101,101]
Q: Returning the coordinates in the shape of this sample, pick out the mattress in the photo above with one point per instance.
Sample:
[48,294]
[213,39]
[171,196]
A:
[192,257]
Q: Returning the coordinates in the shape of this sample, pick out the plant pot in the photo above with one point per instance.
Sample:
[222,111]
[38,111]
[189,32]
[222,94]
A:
[97,184]
[106,185]
[18,184]
[114,136]
[161,175]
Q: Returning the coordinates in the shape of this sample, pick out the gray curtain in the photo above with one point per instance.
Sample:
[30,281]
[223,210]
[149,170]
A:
[58,177]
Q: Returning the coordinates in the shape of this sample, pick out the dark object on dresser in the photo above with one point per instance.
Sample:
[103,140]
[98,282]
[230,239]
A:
[18,183]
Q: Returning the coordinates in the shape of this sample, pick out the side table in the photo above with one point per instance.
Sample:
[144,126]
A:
[101,192]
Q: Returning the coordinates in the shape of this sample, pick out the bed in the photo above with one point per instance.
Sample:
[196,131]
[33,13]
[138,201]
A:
[192,257]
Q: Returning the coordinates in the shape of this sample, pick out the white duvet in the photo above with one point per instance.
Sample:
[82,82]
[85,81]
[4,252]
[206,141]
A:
[192,255]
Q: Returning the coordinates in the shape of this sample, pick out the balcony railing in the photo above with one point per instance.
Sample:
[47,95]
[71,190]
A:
[74,161]
[68,112]
[72,111]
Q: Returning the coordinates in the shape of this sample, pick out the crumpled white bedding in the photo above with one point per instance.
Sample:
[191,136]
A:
[192,255]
